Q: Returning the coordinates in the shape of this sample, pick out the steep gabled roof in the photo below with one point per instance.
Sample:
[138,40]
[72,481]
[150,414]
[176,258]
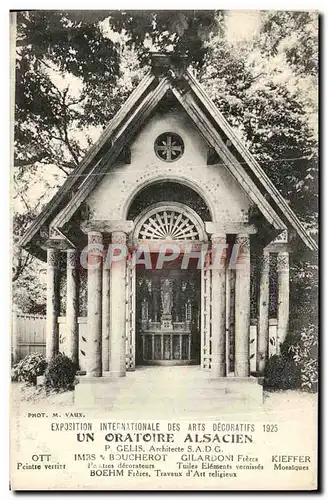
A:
[128,121]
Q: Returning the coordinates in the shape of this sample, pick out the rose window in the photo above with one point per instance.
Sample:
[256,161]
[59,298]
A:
[169,147]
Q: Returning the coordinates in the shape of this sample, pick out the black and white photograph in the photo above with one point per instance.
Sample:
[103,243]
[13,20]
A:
[165,238]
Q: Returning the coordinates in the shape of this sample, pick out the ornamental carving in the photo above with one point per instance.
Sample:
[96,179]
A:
[167,297]
[72,259]
[244,243]
[169,147]
[169,222]
[95,238]
[53,258]
[282,261]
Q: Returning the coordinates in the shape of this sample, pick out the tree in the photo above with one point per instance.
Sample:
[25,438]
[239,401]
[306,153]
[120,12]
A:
[296,35]
[52,44]
[271,120]
[185,33]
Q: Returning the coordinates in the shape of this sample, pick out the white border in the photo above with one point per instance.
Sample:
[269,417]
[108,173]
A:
[5,6]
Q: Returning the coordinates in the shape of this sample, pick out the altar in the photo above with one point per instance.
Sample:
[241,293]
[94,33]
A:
[168,329]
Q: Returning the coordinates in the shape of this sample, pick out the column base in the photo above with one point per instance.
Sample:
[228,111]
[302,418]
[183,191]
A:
[250,388]
[261,365]
[218,370]
[94,374]
[241,369]
[120,374]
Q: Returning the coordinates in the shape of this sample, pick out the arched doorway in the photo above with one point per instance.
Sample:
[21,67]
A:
[166,279]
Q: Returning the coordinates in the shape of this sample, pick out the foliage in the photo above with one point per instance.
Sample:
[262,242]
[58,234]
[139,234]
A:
[49,41]
[183,32]
[29,368]
[305,355]
[281,372]
[270,119]
[60,373]
[70,80]
[302,340]
[304,290]
[295,34]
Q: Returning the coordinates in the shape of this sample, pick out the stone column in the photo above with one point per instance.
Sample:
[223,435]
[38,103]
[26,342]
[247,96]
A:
[117,310]
[263,325]
[72,305]
[94,361]
[52,328]
[242,306]
[105,317]
[218,362]
[283,295]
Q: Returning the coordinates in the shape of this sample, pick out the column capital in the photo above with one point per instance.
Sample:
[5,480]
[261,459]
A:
[265,261]
[283,261]
[53,257]
[218,238]
[72,258]
[243,240]
[95,256]
[118,237]
[95,237]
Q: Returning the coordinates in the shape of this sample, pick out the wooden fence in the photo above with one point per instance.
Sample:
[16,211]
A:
[28,335]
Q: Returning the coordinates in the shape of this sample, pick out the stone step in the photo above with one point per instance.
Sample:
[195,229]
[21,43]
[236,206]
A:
[162,385]
[156,392]
[176,390]
[167,401]
[170,406]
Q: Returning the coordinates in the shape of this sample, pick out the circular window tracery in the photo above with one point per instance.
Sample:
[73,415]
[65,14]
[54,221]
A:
[169,222]
[169,147]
